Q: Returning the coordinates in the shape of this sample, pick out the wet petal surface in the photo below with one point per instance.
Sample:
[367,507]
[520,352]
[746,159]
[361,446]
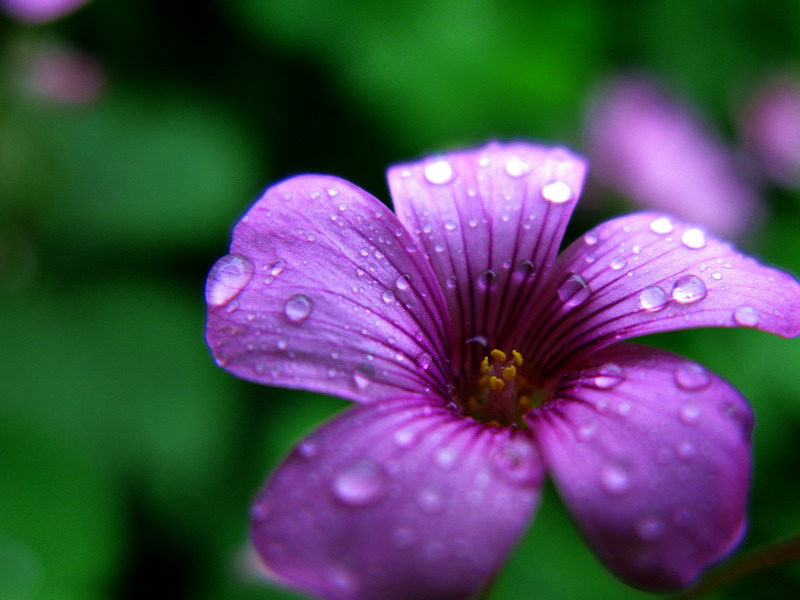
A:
[491,220]
[396,500]
[325,290]
[648,273]
[651,453]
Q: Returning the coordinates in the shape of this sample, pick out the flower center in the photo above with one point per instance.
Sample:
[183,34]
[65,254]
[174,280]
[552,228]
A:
[503,394]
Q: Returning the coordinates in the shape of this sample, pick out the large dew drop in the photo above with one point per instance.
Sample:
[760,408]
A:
[689,289]
[661,225]
[692,377]
[609,376]
[557,192]
[615,479]
[653,298]
[573,290]
[516,167]
[360,484]
[746,316]
[297,308]
[228,277]
[439,172]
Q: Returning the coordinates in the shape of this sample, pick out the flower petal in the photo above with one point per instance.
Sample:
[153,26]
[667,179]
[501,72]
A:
[647,273]
[651,453]
[324,290]
[396,500]
[491,220]
[655,151]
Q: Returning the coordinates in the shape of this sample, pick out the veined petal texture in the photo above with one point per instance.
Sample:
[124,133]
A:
[648,273]
[651,454]
[397,500]
[325,290]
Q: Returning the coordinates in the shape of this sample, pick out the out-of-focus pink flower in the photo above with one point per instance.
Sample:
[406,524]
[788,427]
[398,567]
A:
[478,357]
[771,129]
[39,11]
[58,74]
[658,154]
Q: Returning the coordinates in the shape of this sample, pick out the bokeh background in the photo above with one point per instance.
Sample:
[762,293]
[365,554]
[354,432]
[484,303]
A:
[134,133]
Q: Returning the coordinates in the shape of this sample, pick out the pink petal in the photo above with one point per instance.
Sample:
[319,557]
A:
[651,453]
[656,152]
[325,291]
[647,273]
[397,500]
[491,220]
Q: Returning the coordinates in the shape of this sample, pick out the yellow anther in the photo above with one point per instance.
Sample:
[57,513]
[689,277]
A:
[496,384]
[517,358]
[483,381]
[499,356]
[485,365]
[509,373]
[524,404]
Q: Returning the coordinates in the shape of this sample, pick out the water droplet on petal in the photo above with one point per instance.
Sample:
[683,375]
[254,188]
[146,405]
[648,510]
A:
[746,316]
[618,262]
[424,360]
[277,267]
[430,500]
[405,438]
[686,448]
[694,238]
[689,414]
[297,308]
[689,289]
[518,462]
[557,192]
[403,282]
[360,484]
[388,296]
[653,298]
[228,277]
[486,279]
[573,290]
[516,167]
[661,225]
[451,281]
[615,479]
[439,172]
[450,225]
[591,238]
[362,375]
[692,377]
[587,431]
[649,529]
[307,449]
[445,457]
[608,376]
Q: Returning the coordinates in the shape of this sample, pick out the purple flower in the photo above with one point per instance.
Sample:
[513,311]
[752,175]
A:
[771,126]
[39,11]
[657,153]
[478,358]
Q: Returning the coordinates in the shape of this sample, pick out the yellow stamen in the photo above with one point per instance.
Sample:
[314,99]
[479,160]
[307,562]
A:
[485,365]
[509,373]
[496,384]
[517,357]
[498,355]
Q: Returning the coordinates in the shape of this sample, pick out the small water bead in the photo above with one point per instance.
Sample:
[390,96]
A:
[487,278]
[445,457]
[450,225]
[689,414]
[362,376]
[451,281]
[439,172]
[618,262]
[661,225]
[746,316]
[615,479]
[686,449]
[473,222]
[430,500]
[557,192]
[403,282]
[277,267]
[573,290]
[228,277]
[692,377]
[439,247]
[283,342]
[587,431]
[653,298]
[516,167]
[689,289]
[609,376]
[333,192]
[388,296]
[298,308]
[307,449]
[591,238]
[424,360]
[405,438]
[342,206]
[360,484]
[694,238]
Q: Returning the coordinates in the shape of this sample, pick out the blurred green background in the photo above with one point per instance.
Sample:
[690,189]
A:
[127,458]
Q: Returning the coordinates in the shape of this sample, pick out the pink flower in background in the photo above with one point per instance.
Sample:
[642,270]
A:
[655,152]
[771,129]
[57,74]
[39,11]
[478,358]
